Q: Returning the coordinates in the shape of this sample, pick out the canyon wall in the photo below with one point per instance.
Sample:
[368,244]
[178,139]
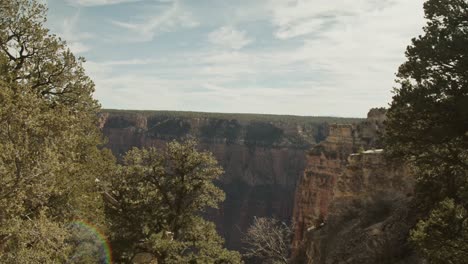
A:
[351,204]
[263,156]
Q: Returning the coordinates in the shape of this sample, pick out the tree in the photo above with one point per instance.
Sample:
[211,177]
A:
[49,147]
[268,240]
[428,124]
[431,235]
[156,203]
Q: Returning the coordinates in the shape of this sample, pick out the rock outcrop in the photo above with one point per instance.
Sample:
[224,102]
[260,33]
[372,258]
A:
[263,156]
[351,204]
[325,164]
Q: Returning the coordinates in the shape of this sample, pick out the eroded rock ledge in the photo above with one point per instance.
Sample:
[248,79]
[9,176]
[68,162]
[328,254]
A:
[351,204]
[263,155]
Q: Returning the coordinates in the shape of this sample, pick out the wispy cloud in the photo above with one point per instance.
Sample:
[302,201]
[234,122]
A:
[98,2]
[129,62]
[173,18]
[314,57]
[76,39]
[229,37]
[349,65]
[133,90]
[302,17]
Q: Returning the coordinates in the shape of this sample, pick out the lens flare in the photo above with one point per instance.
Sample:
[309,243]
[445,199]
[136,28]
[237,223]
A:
[99,236]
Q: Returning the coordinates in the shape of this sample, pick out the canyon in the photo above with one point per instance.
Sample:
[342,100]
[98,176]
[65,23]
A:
[353,204]
[326,177]
[263,156]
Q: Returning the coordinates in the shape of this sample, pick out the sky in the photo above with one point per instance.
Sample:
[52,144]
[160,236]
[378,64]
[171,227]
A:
[313,58]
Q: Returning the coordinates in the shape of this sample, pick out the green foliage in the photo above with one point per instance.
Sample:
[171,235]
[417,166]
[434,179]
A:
[49,155]
[428,125]
[222,129]
[38,240]
[428,118]
[169,128]
[263,134]
[157,198]
[431,235]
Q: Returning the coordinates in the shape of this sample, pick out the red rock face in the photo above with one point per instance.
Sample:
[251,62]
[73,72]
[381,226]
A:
[351,205]
[262,160]
[316,188]
[325,165]
[368,217]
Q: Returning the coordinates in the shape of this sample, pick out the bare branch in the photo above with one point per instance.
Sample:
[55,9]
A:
[269,240]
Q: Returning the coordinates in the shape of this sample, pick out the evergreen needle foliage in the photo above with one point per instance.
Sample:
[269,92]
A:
[157,200]
[428,127]
[49,155]
[54,171]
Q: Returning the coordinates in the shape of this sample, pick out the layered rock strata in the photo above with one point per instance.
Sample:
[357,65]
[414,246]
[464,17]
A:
[263,156]
[325,164]
[352,205]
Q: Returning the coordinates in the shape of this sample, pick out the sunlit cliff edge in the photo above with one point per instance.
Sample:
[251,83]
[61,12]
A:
[352,205]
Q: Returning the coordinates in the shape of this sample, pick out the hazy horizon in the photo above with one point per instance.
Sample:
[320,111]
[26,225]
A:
[306,58]
[225,113]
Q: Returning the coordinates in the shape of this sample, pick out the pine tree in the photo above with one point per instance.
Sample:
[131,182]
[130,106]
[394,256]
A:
[49,140]
[428,127]
[156,206]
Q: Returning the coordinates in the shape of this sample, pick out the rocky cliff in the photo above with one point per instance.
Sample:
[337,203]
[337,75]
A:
[325,163]
[263,156]
[351,204]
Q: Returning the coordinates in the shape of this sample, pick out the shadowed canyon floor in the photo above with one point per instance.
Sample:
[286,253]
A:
[263,155]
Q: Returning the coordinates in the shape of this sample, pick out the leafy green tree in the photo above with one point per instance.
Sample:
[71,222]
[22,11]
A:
[156,203]
[49,155]
[432,235]
[428,126]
